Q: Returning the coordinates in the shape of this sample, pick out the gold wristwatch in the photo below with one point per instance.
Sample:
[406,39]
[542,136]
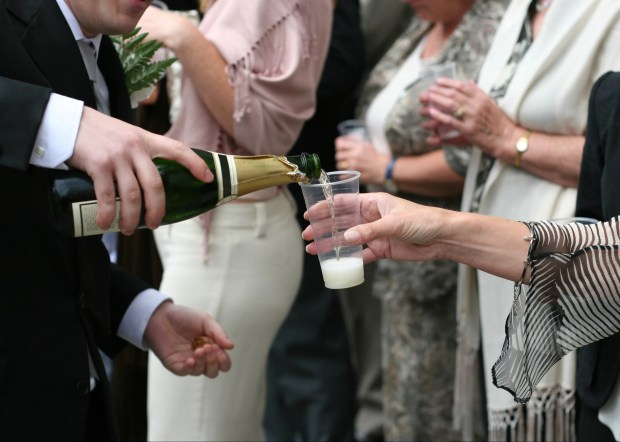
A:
[523,144]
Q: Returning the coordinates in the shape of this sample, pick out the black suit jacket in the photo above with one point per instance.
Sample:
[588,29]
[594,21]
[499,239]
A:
[59,296]
[599,197]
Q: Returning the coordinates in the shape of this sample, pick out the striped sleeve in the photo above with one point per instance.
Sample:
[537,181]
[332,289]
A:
[573,299]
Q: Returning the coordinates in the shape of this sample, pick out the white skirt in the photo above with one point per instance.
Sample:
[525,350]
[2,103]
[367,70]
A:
[248,284]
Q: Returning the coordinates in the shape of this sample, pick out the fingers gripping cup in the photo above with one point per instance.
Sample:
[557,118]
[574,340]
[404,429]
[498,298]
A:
[333,207]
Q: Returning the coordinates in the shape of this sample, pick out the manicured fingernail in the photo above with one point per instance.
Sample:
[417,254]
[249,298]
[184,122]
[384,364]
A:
[352,236]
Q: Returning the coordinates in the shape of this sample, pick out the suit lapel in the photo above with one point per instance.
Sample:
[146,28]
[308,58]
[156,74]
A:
[50,43]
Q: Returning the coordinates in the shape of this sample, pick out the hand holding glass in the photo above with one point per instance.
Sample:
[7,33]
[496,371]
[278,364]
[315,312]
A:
[333,208]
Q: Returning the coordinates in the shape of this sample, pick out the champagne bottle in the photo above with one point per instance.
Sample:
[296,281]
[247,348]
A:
[75,205]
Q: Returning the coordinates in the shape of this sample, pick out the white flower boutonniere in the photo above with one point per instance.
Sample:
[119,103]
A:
[142,71]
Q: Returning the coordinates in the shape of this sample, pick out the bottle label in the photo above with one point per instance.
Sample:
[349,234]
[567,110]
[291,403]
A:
[226,171]
[85,218]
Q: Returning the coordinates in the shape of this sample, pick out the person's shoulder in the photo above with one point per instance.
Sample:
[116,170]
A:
[609,82]
[611,77]
[605,97]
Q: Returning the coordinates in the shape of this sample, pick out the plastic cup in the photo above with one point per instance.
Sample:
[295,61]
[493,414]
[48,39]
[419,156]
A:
[429,77]
[354,128]
[333,208]
[441,70]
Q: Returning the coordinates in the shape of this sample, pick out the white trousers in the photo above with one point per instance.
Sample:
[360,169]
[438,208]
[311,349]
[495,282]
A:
[248,284]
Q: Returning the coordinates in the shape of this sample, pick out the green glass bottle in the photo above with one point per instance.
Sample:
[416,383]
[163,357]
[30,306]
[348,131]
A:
[75,206]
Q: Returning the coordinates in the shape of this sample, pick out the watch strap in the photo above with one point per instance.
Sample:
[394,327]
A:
[390,169]
[522,146]
[389,184]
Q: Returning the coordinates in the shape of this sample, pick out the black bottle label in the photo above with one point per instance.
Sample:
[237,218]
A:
[226,176]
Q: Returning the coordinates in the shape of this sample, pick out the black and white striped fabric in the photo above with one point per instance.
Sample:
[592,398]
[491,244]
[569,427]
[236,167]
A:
[573,299]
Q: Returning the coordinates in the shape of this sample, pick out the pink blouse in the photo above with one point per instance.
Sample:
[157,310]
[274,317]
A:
[275,51]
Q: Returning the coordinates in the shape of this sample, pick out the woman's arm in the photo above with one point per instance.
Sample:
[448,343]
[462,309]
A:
[556,158]
[427,175]
[200,59]
[262,90]
[395,228]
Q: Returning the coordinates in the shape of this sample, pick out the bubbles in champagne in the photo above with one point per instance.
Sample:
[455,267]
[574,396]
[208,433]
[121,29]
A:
[329,197]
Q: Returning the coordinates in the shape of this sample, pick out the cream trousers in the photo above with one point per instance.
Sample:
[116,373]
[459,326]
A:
[248,284]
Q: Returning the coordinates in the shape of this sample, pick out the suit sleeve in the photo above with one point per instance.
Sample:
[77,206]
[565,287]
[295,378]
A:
[22,106]
[124,287]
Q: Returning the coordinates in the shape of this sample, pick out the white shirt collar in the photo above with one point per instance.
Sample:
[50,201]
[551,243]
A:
[75,26]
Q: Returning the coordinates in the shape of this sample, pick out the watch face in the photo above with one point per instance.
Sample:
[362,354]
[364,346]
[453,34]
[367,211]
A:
[522,144]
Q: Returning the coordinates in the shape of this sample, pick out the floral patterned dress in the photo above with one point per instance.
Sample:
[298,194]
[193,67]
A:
[419,299]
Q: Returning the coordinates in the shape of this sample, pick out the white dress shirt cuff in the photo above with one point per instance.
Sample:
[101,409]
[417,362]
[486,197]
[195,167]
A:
[58,131]
[137,316]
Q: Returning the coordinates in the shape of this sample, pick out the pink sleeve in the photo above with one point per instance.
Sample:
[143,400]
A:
[276,80]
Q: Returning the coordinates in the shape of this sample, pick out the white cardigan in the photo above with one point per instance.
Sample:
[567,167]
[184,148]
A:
[579,41]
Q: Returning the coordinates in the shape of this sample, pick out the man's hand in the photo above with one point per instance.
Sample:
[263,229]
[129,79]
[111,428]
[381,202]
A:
[171,332]
[110,150]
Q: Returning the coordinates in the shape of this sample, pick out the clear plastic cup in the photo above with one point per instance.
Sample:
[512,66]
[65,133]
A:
[354,128]
[429,77]
[333,208]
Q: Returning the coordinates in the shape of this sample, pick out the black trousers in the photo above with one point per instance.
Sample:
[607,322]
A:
[589,428]
[310,380]
[97,428]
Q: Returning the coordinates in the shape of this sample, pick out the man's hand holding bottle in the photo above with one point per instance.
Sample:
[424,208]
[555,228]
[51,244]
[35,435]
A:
[114,152]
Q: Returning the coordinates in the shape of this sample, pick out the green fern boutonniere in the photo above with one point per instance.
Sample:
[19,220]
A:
[141,72]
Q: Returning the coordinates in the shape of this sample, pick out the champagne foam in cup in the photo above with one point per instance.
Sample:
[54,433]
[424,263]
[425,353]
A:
[343,272]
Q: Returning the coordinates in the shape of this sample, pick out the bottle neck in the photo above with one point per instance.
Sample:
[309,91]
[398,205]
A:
[260,172]
[309,164]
